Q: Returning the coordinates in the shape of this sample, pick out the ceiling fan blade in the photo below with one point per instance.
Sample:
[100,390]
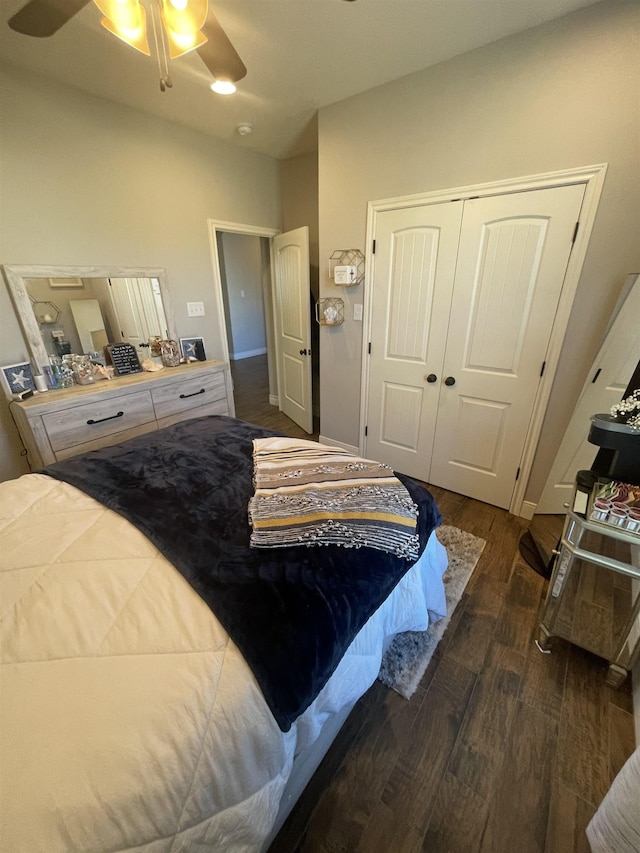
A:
[43,18]
[218,54]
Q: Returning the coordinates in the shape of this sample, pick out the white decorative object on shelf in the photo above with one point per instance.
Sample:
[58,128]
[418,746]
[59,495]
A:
[346,267]
[330,312]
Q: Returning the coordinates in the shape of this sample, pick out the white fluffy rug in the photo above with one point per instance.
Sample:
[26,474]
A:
[405,662]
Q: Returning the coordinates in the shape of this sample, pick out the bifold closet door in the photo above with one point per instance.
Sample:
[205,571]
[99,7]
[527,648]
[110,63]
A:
[491,310]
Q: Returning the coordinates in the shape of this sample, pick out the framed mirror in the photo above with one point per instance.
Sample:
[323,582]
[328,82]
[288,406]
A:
[80,309]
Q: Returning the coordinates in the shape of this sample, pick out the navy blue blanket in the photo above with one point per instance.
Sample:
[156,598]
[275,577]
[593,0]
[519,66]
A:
[292,612]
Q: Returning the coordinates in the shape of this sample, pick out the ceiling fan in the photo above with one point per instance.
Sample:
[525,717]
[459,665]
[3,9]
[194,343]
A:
[177,27]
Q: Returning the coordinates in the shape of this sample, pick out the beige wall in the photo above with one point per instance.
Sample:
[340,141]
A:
[299,189]
[562,95]
[85,181]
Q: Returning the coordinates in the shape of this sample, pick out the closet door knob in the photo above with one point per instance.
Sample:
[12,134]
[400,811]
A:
[450,380]
[431,377]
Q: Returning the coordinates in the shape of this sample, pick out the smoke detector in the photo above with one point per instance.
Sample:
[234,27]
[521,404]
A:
[245,128]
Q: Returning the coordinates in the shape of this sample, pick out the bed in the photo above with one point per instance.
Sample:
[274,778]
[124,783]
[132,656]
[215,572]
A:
[133,716]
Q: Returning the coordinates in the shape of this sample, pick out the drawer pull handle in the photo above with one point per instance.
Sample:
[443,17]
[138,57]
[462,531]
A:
[195,394]
[102,420]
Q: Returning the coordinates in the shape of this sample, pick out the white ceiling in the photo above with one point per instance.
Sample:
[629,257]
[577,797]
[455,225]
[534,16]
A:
[300,54]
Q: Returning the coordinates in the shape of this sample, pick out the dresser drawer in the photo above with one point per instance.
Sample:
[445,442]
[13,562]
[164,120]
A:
[190,393]
[89,421]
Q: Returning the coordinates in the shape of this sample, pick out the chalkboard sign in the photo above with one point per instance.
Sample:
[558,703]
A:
[124,358]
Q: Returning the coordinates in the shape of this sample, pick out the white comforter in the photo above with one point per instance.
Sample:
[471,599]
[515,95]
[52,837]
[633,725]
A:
[129,720]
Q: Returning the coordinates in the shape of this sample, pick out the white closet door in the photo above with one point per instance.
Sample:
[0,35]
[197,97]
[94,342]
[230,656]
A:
[513,256]
[605,386]
[465,295]
[415,263]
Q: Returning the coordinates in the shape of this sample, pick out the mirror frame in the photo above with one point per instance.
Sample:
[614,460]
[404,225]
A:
[16,278]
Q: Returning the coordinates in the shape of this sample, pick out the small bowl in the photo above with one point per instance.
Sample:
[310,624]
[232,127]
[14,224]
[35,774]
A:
[617,516]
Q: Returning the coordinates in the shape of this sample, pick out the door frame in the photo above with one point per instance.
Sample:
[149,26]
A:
[217,225]
[593,178]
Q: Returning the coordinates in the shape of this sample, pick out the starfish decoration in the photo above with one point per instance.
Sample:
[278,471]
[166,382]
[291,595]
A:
[191,348]
[19,379]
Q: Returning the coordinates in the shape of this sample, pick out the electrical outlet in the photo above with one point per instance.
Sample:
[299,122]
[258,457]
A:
[195,309]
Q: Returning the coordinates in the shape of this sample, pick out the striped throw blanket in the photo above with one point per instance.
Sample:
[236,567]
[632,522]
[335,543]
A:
[311,494]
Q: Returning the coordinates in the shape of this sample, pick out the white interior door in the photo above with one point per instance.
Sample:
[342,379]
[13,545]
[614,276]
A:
[512,260]
[471,303]
[415,263]
[605,386]
[292,306]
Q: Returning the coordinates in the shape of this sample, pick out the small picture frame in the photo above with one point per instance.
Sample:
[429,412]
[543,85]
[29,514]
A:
[66,282]
[193,348]
[16,378]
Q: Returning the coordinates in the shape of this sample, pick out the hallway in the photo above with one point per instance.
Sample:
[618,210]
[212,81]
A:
[251,393]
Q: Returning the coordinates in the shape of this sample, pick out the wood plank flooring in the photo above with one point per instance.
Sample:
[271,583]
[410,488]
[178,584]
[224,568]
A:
[502,749]
[251,394]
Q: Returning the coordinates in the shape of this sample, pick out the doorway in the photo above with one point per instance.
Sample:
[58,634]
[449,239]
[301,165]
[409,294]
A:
[262,290]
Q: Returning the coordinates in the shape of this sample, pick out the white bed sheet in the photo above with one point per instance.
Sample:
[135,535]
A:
[129,719]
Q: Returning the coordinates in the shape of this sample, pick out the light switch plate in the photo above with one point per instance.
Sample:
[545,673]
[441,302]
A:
[357,311]
[195,309]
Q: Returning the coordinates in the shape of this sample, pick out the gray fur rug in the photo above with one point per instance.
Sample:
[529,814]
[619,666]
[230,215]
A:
[405,662]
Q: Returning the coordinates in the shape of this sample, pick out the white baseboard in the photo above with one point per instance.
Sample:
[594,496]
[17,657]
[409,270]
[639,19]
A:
[333,441]
[274,400]
[249,353]
[527,510]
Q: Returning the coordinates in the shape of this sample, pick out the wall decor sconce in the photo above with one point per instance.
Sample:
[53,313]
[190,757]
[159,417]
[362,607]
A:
[330,312]
[346,267]
[45,312]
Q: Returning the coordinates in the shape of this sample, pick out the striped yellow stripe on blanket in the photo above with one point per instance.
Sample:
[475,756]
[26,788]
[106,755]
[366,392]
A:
[311,494]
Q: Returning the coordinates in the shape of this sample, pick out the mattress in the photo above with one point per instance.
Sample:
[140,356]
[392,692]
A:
[129,719]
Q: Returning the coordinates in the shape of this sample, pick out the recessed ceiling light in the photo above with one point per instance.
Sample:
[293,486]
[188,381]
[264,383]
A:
[245,128]
[223,87]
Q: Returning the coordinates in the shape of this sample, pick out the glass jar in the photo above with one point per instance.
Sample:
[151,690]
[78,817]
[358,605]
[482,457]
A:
[170,352]
[62,371]
[82,370]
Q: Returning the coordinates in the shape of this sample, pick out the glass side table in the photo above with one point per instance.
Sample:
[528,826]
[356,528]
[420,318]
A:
[593,598]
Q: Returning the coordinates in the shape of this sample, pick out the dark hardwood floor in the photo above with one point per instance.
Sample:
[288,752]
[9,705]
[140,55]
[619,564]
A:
[502,749]
[251,394]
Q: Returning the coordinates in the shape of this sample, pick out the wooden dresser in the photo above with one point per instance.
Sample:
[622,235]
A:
[59,424]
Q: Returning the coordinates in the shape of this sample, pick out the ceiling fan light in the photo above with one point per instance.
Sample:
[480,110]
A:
[223,87]
[180,44]
[183,22]
[126,19]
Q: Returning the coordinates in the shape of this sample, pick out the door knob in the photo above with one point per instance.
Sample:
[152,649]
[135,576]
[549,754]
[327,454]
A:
[431,377]
[450,380]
